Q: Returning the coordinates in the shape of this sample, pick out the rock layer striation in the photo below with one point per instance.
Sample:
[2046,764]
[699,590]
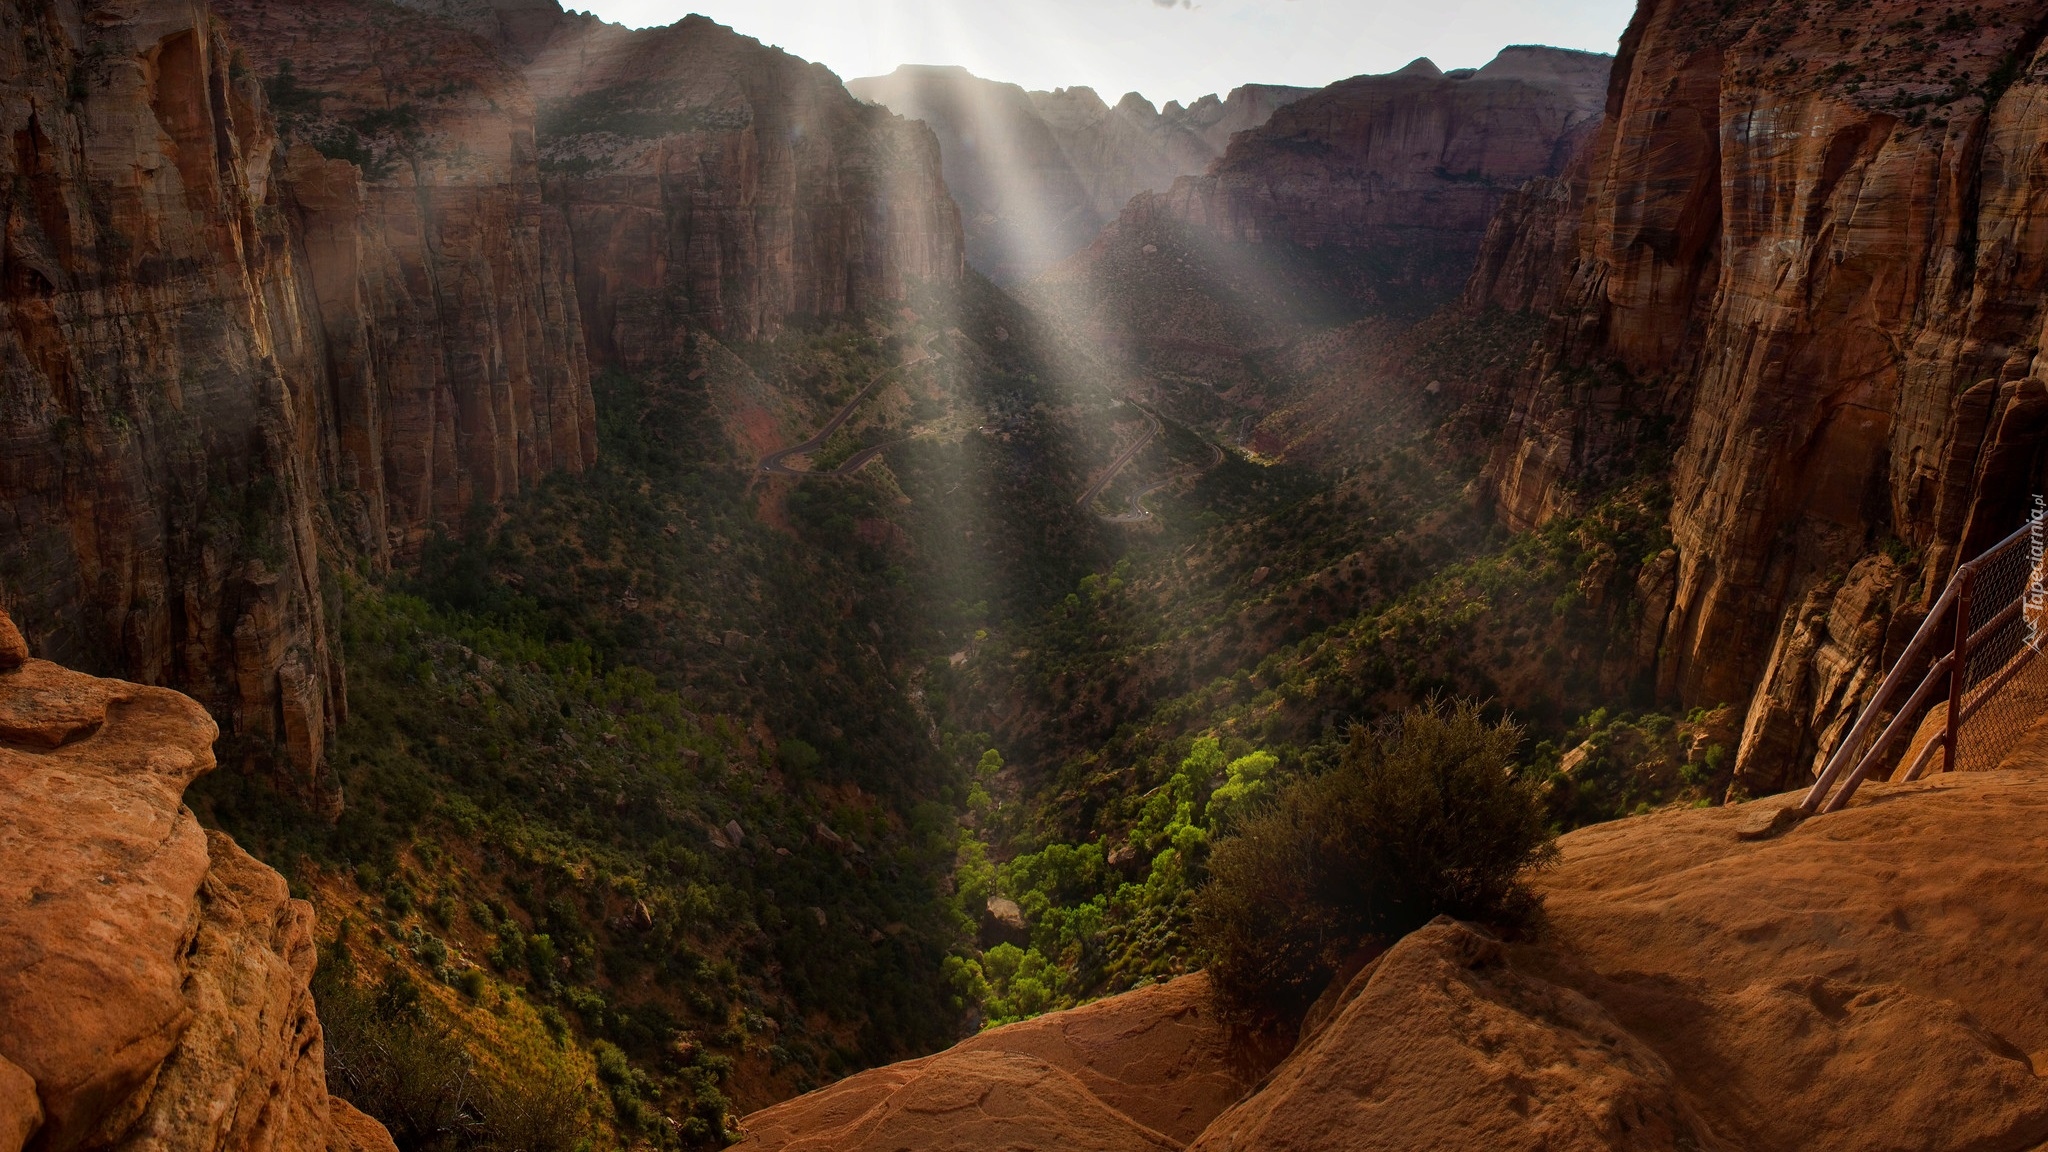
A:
[1808,244]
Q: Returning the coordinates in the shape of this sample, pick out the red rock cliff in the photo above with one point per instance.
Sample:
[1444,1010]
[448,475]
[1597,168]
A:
[711,182]
[455,366]
[1811,239]
[161,390]
[278,275]
[1412,164]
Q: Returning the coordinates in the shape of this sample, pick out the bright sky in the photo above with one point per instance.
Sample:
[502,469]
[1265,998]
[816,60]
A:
[1167,49]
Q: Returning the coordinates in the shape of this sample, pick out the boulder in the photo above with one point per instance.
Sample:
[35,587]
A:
[154,978]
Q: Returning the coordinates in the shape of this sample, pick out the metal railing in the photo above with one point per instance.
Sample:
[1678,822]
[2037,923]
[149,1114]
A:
[1990,618]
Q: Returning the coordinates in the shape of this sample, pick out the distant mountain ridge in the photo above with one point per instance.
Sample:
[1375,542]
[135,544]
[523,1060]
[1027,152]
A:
[1038,174]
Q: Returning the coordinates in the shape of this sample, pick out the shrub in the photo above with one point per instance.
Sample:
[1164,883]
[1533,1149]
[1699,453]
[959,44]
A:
[1426,817]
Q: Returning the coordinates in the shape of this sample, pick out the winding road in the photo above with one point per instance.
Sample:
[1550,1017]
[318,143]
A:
[773,462]
[1136,512]
[1117,465]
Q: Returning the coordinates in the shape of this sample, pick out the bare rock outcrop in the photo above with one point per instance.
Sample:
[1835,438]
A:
[1145,1070]
[154,978]
[1868,980]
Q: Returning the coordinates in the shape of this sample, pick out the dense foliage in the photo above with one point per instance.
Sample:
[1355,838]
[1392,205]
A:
[1426,816]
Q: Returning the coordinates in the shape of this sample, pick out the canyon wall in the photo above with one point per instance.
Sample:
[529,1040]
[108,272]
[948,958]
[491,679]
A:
[1806,244]
[162,400]
[286,276]
[154,978]
[714,183]
[1409,167]
[1038,174]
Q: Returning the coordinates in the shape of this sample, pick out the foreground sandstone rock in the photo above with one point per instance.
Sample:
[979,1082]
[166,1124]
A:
[1869,980]
[1145,1070]
[153,976]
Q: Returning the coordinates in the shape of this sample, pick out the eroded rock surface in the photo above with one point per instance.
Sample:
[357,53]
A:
[1871,979]
[153,977]
[1146,1070]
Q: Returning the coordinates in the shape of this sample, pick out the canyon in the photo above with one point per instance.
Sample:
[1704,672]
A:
[1652,396]
[1038,174]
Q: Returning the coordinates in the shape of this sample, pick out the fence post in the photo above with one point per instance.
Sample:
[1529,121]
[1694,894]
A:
[1959,671]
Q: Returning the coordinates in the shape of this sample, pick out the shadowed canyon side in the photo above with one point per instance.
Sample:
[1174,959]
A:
[1037,174]
[336,305]
[1672,997]
[154,978]
[1806,241]
[165,428]
[711,182]
[1369,198]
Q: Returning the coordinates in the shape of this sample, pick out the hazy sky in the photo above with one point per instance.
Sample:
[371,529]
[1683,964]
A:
[1167,49]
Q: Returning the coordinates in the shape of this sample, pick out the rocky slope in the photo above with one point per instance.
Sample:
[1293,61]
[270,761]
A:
[1807,242]
[153,976]
[1871,980]
[1037,174]
[330,273]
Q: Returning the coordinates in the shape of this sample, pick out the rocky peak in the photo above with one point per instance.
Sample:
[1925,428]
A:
[1037,174]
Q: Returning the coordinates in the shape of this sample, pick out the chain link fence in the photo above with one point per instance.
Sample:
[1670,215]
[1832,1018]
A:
[1979,700]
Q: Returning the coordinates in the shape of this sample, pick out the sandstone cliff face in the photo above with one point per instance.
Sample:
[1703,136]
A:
[284,274]
[153,977]
[1409,166]
[455,365]
[1870,980]
[1038,174]
[1811,240]
[711,182]
[161,396]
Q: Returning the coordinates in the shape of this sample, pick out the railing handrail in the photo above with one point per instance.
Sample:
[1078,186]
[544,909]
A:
[1954,665]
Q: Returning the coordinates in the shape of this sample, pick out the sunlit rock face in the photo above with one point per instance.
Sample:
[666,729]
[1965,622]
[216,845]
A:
[153,976]
[710,181]
[1811,241]
[1037,174]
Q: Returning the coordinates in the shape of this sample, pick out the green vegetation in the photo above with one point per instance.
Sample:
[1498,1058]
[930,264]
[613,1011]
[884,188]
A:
[1430,816]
